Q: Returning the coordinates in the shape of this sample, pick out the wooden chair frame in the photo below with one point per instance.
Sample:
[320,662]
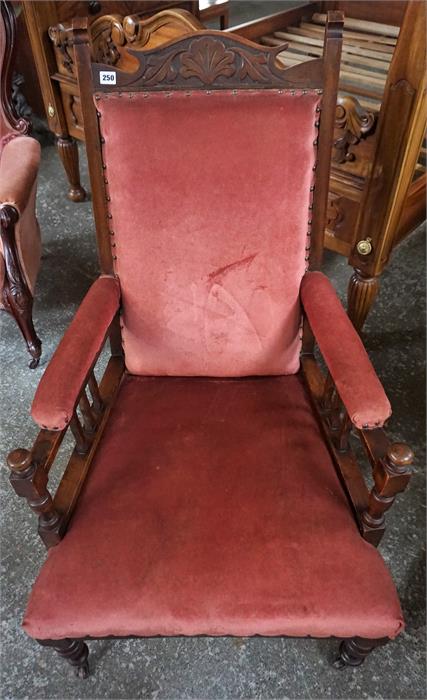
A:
[390,462]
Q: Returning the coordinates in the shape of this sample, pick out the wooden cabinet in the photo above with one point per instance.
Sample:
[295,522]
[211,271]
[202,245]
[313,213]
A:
[378,176]
[47,23]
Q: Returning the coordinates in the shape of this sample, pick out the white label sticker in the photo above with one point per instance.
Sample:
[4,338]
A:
[107,77]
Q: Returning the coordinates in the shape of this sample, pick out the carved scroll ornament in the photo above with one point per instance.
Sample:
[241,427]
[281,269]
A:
[355,123]
[106,35]
[139,31]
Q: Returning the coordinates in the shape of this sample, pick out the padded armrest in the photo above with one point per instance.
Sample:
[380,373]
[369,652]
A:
[19,164]
[66,374]
[354,376]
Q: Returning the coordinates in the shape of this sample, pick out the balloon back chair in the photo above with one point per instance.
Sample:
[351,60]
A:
[212,489]
[20,245]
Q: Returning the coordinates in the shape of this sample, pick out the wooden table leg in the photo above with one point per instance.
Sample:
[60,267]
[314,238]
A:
[69,154]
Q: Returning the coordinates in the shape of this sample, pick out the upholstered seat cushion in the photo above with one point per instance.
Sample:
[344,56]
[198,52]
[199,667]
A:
[213,508]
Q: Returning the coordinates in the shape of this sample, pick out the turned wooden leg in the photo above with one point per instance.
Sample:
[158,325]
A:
[17,298]
[353,652]
[75,651]
[362,291]
[69,154]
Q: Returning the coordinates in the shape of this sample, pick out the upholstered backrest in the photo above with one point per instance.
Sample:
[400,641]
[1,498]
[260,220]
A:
[209,199]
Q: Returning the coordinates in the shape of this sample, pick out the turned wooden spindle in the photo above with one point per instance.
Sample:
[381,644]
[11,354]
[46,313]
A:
[82,441]
[391,476]
[88,415]
[336,416]
[29,481]
[94,392]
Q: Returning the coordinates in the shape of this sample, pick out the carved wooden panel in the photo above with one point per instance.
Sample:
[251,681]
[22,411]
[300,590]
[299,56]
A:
[216,61]
[340,222]
[72,109]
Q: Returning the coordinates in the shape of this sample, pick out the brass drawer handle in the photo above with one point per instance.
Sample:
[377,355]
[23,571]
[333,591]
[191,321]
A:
[364,247]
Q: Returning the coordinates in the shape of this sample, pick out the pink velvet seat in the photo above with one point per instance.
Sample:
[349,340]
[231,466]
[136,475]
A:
[213,507]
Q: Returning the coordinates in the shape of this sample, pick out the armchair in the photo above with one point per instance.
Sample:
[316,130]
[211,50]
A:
[20,246]
[212,488]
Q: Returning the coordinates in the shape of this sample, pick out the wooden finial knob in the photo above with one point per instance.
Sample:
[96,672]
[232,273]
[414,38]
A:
[400,455]
[19,459]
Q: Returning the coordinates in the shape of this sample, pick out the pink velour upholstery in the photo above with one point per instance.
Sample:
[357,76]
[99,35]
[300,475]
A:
[213,507]
[355,379]
[19,165]
[19,162]
[209,202]
[59,388]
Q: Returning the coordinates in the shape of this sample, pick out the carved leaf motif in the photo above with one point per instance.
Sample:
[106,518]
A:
[207,59]
[254,66]
[159,70]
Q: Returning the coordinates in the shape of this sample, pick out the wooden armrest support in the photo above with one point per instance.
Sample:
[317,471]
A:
[391,470]
[350,368]
[390,461]
[69,396]
[19,166]
[30,469]
[60,388]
